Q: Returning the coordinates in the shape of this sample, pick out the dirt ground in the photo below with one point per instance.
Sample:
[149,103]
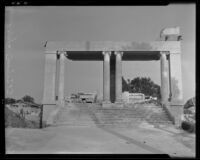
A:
[142,138]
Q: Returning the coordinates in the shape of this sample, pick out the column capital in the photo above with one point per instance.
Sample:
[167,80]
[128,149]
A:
[119,52]
[106,52]
[64,52]
[164,52]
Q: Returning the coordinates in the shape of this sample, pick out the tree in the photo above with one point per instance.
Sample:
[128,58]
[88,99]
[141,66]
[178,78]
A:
[125,86]
[10,100]
[28,98]
[19,101]
[142,85]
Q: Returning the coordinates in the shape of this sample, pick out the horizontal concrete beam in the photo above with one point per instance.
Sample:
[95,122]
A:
[171,46]
[127,55]
[54,46]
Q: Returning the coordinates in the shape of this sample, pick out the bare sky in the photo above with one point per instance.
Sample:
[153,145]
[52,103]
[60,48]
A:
[27,29]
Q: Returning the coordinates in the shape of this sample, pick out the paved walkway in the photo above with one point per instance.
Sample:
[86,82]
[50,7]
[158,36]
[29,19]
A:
[143,139]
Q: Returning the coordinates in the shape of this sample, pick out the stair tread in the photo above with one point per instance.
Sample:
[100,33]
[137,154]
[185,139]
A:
[129,115]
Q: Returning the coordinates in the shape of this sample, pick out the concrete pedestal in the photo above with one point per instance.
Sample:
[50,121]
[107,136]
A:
[107,104]
[119,104]
[48,117]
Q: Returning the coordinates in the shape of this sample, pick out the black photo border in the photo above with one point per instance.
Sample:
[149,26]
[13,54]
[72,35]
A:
[6,3]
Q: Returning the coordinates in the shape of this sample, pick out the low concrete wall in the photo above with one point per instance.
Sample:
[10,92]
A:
[50,112]
[174,112]
[177,111]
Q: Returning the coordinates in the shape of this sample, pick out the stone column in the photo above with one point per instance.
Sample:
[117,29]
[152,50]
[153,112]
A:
[164,77]
[57,76]
[112,77]
[106,77]
[170,85]
[61,85]
[118,78]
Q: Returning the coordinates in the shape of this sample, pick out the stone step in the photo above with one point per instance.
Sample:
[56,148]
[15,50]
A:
[132,124]
[132,121]
[131,116]
[133,111]
[130,113]
[152,115]
[115,116]
[72,124]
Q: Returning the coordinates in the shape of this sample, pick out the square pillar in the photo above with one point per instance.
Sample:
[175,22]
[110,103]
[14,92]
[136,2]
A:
[164,77]
[61,85]
[176,78]
[49,103]
[106,77]
[49,78]
[118,78]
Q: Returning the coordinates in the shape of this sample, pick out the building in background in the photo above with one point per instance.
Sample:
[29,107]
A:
[133,97]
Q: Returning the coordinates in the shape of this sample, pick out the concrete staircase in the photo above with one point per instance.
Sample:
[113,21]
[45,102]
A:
[131,115]
[128,116]
[75,115]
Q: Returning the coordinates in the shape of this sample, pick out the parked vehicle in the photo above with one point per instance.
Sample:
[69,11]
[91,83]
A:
[88,97]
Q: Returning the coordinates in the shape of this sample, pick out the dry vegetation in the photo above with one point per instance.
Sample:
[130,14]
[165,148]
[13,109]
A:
[16,121]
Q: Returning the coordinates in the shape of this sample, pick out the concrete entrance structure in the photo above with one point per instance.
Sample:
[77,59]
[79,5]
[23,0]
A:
[167,50]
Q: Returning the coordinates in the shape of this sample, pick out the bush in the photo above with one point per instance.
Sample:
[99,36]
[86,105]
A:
[188,127]
[15,120]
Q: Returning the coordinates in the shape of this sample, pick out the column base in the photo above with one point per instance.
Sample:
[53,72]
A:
[106,104]
[60,104]
[119,103]
[48,109]
[164,102]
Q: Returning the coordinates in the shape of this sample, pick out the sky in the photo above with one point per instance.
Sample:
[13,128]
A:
[27,28]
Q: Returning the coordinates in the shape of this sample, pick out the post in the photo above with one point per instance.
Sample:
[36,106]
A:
[106,77]
[118,78]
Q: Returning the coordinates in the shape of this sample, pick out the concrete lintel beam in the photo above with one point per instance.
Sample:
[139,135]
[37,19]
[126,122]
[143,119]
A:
[171,46]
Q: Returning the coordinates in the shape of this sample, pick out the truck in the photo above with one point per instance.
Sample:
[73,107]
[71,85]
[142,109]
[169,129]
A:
[88,97]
